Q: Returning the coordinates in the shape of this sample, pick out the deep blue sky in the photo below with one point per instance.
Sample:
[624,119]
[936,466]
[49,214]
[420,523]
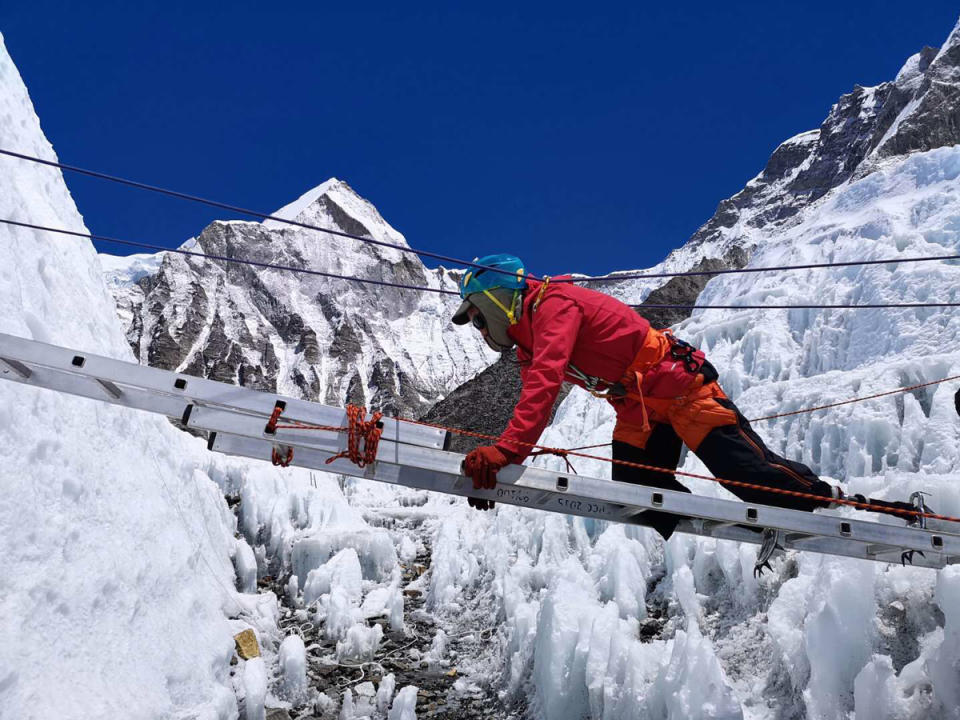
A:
[580,136]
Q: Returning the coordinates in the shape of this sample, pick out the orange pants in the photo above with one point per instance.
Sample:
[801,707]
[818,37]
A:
[692,417]
[715,430]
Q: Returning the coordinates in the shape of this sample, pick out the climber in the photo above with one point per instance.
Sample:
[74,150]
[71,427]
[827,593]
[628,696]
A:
[664,391]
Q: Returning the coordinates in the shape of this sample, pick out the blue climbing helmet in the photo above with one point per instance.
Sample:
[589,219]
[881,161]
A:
[483,280]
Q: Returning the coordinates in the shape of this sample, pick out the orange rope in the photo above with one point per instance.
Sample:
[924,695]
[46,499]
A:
[371,433]
[858,399]
[722,481]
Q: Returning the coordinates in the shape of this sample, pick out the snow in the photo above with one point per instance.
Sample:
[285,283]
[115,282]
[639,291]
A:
[293,211]
[126,550]
[116,544]
[293,668]
[124,271]
[255,689]
[404,705]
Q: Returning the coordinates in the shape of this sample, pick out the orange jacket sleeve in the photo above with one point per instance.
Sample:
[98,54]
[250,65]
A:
[555,327]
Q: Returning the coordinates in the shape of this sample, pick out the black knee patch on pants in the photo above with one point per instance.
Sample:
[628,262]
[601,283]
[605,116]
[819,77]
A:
[662,450]
[736,452]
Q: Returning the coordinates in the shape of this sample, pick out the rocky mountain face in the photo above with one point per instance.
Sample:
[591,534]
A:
[916,111]
[319,338]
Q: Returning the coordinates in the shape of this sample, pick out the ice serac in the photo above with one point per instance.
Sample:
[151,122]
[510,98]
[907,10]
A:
[115,553]
[321,338]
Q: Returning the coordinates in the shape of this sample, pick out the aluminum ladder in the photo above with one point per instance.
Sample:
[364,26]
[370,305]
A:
[235,420]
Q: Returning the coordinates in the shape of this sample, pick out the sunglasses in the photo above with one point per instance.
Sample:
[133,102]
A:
[479,322]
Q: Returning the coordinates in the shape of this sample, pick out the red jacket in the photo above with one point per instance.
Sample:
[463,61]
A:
[597,333]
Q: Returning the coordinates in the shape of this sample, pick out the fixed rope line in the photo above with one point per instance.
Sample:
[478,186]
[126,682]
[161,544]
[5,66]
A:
[246,211]
[858,399]
[838,306]
[458,261]
[737,271]
[224,258]
[440,291]
[357,425]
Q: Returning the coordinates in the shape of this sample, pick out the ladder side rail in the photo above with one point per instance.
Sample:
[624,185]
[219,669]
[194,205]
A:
[423,479]
[551,501]
[826,546]
[692,505]
[92,388]
[150,388]
[33,354]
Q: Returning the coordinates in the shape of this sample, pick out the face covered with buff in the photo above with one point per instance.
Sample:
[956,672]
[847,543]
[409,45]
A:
[490,320]
[492,293]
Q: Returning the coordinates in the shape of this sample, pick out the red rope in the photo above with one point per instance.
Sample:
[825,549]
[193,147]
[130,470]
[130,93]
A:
[281,460]
[562,454]
[668,471]
[859,399]
[359,429]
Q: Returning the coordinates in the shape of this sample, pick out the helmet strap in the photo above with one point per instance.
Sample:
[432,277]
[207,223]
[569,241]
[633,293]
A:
[509,312]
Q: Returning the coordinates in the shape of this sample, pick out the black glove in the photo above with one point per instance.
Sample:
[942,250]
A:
[481,504]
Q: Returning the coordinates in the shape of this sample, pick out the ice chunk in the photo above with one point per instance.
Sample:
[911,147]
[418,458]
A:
[255,689]
[293,590]
[436,655]
[375,550]
[407,550]
[405,704]
[246,564]
[293,668]
[360,643]
[944,666]
[346,706]
[341,613]
[385,692]
[341,571]
[874,690]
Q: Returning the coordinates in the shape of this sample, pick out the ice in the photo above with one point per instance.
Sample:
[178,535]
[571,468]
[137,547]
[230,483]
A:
[572,591]
[116,542]
[360,643]
[385,692]
[293,590]
[944,665]
[875,692]
[346,705]
[255,689]
[375,550]
[404,705]
[342,570]
[339,612]
[293,668]
[246,565]
[436,655]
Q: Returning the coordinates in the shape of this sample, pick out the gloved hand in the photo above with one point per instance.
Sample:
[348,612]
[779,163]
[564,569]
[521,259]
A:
[482,465]
[481,504]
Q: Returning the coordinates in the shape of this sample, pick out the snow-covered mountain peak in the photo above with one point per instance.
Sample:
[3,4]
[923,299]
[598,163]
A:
[336,205]
[915,66]
[292,210]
